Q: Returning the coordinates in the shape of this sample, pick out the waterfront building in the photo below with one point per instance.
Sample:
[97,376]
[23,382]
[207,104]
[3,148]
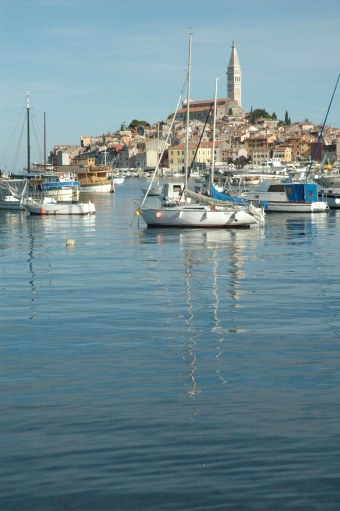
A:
[203,156]
[283,153]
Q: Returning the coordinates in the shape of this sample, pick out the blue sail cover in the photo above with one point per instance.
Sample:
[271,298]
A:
[215,194]
[302,192]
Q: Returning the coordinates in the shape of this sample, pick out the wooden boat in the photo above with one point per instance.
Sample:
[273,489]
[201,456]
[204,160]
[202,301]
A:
[95,179]
[49,206]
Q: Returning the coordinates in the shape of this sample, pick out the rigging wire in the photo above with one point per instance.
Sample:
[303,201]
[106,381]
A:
[4,156]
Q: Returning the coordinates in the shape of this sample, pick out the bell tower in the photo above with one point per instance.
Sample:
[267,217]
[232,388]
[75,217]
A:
[234,77]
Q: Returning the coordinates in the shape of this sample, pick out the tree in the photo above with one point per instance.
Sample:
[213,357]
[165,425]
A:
[258,113]
[135,123]
[287,119]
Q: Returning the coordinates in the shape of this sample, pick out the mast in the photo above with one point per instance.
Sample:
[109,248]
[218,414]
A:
[188,116]
[214,136]
[321,132]
[28,132]
[44,140]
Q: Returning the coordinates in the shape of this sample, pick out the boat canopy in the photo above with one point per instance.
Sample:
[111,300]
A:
[302,192]
[215,194]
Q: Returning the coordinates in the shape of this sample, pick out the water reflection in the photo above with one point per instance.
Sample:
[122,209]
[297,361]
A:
[213,267]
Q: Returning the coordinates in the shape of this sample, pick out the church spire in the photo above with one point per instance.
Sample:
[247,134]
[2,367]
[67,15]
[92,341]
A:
[234,76]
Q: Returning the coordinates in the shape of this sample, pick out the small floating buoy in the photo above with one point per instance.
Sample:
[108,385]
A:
[70,243]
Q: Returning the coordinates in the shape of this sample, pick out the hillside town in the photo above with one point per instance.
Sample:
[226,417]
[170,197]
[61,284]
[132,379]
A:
[237,138]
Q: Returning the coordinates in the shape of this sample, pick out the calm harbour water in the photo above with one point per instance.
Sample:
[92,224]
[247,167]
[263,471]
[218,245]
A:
[169,369]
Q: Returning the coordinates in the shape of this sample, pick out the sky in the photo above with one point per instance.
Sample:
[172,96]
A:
[90,66]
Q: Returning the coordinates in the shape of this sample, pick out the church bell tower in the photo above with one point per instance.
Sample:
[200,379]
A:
[234,77]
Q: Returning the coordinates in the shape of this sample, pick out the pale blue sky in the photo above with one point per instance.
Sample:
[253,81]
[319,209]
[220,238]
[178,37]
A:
[93,65]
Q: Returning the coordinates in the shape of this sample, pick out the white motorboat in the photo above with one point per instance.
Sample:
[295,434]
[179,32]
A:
[331,196]
[61,186]
[289,198]
[154,191]
[49,206]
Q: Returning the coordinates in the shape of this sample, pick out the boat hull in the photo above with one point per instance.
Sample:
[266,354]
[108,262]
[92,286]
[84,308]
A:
[196,217]
[45,208]
[295,207]
[332,197]
[11,204]
[154,191]
[97,188]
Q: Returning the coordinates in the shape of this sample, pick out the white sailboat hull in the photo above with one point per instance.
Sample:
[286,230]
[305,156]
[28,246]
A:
[196,216]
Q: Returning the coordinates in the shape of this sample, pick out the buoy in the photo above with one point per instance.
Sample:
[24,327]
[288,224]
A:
[137,212]
[70,242]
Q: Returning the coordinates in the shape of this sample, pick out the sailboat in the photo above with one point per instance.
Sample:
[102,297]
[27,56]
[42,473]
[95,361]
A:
[192,209]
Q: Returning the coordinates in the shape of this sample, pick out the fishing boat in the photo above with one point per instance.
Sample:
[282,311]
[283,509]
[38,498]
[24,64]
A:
[61,186]
[290,198]
[192,209]
[49,206]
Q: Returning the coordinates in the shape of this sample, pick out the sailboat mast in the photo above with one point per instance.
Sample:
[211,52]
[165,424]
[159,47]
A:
[214,136]
[321,132]
[44,140]
[188,116]
[28,132]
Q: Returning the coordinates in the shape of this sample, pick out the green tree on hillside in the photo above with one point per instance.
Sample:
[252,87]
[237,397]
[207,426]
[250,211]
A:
[135,123]
[287,119]
[258,113]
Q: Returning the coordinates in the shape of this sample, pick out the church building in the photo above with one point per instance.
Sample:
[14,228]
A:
[226,107]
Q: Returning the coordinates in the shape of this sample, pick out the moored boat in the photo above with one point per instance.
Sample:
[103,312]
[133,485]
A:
[290,198]
[49,206]
[95,179]
[331,196]
[60,186]
[11,193]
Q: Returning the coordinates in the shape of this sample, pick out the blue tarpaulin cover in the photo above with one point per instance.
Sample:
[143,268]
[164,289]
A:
[215,194]
[302,192]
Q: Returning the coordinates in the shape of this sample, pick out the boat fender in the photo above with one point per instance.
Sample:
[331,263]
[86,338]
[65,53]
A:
[42,211]
[61,176]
